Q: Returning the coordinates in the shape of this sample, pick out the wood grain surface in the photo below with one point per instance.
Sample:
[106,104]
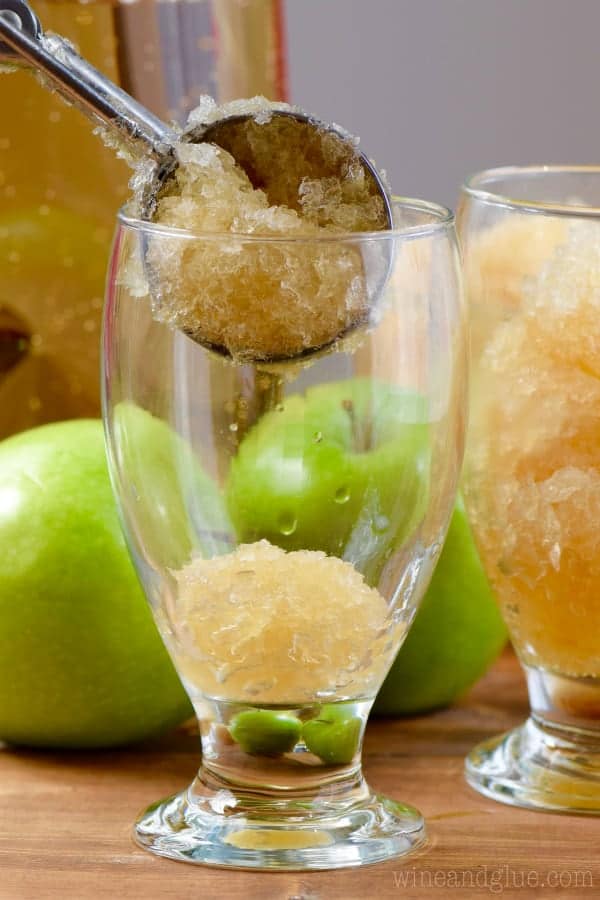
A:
[65,821]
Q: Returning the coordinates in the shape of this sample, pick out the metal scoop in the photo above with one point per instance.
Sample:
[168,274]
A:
[78,82]
[22,39]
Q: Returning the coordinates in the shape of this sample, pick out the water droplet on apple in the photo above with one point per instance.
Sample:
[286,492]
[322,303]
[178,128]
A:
[342,495]
[380,524]
[318,437]
[233,426]
[287,523]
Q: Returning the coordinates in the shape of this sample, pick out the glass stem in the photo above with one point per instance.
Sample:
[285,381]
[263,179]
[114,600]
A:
[567,708]
[251,783]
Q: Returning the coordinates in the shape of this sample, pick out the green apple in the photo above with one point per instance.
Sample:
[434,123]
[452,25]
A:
[334,735]
[81,661]
[339,469]
[265,732]
[457,632]
[160,480]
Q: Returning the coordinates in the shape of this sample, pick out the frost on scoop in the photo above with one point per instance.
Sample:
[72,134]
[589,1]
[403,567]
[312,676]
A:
[273,298]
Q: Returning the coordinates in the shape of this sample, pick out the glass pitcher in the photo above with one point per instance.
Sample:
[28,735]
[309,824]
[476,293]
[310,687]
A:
[60,187]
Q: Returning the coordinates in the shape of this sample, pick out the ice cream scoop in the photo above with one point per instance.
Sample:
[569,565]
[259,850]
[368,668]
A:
[305,150]
[22,39]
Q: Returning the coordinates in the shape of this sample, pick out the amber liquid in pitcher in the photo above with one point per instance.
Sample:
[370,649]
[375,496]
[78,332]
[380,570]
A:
[60,187]
[59,192]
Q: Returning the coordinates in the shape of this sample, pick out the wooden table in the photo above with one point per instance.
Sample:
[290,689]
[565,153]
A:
[65,821]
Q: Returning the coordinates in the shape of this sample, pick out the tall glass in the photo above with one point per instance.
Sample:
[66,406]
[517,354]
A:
[285,519]
[532,473]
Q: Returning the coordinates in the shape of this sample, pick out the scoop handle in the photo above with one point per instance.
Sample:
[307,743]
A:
[78,82]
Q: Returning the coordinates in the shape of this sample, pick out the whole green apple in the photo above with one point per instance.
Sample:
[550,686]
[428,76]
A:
[339,469]
[81,661]
[161,478]
[457,632]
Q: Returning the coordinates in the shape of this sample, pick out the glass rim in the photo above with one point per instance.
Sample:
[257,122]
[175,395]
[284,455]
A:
[473,187]
[442,218]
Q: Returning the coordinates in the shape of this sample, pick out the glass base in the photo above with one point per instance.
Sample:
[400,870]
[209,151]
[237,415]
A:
[539,765]
[203,827]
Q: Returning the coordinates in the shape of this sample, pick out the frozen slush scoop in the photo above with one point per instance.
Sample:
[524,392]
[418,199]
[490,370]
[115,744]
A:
[298,163]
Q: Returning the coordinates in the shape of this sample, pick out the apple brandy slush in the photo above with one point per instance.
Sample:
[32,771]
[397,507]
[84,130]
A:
[533,467]
[298,366]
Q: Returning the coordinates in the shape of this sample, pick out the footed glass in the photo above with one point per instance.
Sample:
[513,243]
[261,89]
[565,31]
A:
[285,517]
[532,472]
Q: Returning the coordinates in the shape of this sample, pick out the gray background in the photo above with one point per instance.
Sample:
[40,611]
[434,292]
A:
[441,88]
